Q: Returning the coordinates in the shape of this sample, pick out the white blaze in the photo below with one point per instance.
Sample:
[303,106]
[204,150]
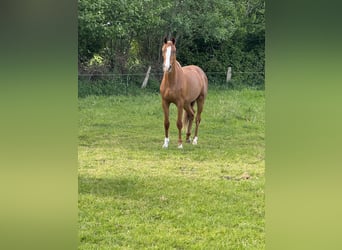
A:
[167,59]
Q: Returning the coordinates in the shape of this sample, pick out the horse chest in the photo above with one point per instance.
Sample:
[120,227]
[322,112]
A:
[171,94]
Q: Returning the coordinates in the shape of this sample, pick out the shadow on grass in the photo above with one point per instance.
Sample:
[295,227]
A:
[117,187]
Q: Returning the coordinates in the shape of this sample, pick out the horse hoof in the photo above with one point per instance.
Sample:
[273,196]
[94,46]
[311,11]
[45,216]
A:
[188,141]
[195,141]
[180,146]
[166,143]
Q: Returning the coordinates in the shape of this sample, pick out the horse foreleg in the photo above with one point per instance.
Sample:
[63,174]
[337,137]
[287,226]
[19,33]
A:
[166,107]
[179,125]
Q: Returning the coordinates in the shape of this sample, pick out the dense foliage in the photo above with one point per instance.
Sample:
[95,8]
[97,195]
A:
[125,36]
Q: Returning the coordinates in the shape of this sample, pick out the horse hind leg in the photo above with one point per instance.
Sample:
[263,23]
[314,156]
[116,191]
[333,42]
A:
[189,127]
[200,103]
[188,119]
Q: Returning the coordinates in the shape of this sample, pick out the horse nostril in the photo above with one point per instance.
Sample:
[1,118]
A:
[166,68]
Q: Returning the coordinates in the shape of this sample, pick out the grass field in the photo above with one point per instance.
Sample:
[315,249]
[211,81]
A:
[135,195]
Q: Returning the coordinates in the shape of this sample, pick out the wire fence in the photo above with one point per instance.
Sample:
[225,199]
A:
[130,83]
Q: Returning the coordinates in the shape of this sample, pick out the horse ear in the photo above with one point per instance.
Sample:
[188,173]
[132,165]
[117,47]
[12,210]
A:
[173,40]
[165,39]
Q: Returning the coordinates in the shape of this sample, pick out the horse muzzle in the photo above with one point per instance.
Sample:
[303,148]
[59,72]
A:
[167,69]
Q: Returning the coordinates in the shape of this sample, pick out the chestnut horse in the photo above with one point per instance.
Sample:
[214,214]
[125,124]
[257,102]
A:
[182,86]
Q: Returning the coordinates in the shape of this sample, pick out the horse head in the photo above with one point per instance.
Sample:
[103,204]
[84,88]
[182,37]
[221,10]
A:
[169,54]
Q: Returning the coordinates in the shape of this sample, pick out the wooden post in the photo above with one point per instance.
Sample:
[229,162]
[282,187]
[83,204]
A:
[229,74]
[146,77]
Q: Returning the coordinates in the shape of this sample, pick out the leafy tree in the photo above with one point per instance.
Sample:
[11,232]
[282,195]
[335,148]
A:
[215,34]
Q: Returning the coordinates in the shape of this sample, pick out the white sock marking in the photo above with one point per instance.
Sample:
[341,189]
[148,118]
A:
[194,142]
[166,142]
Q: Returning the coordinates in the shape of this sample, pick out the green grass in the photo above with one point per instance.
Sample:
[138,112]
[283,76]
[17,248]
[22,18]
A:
[135,195]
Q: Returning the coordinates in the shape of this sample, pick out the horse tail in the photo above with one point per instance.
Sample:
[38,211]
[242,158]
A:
[185,120]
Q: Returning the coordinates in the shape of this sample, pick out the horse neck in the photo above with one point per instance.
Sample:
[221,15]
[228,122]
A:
[171,78]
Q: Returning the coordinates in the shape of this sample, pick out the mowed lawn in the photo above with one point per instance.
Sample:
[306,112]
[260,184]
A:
[133,194]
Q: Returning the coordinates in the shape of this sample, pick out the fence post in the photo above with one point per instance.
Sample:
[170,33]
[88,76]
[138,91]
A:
[229,74]
[146,77]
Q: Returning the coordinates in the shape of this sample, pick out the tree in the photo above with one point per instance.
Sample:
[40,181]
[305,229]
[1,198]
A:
[215,34]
